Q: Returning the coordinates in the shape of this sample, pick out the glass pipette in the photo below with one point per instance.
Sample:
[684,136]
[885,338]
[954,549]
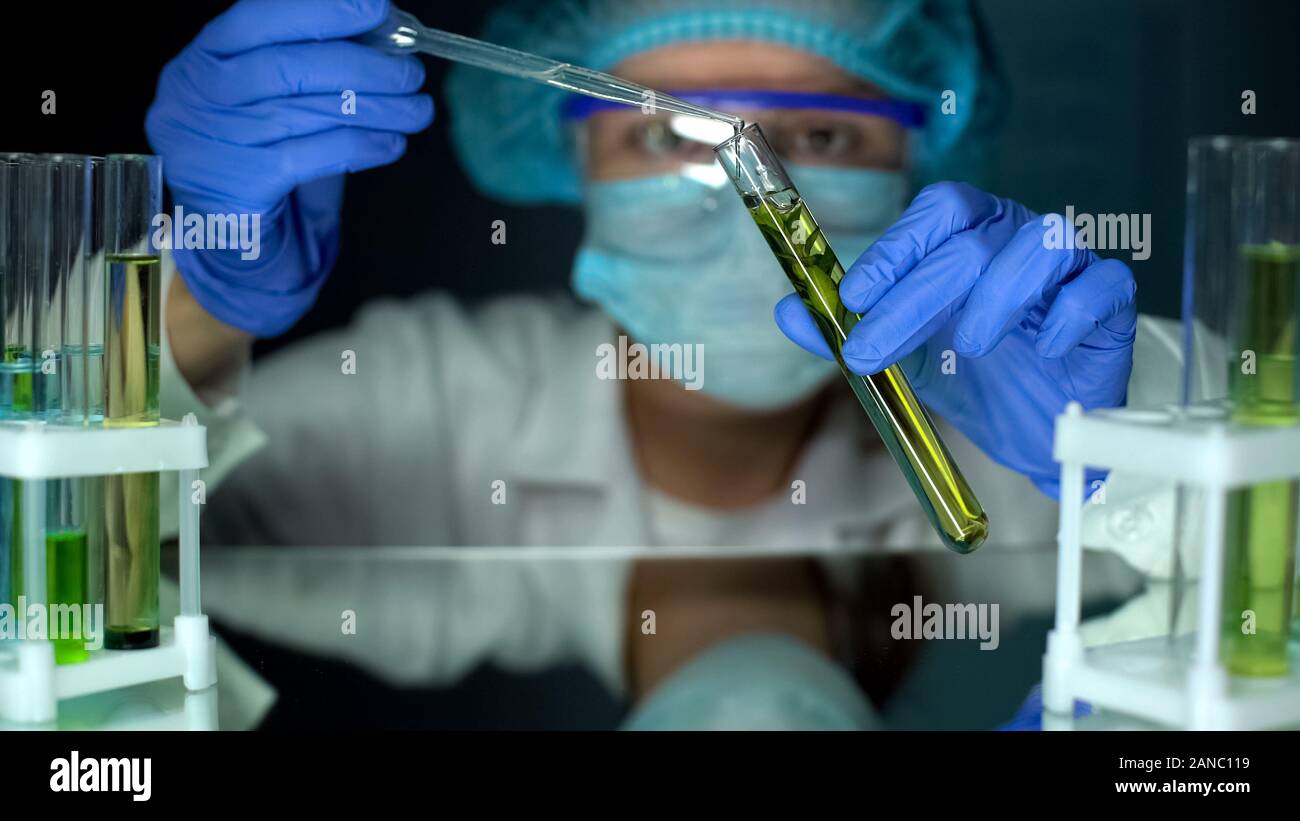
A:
[402,33]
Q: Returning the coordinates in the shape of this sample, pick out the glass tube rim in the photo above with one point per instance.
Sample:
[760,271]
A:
[61,157]
[132,158]
[746,128]
[1227,142]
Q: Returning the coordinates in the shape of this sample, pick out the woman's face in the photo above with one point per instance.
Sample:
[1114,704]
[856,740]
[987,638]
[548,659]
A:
[626,143]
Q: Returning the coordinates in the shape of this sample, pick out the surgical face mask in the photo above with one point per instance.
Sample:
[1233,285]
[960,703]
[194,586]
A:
[674,260]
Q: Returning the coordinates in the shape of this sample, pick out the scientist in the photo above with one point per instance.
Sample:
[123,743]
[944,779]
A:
[452,411]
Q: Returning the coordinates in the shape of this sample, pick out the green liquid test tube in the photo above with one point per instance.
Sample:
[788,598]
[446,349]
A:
[66,560]
[66,588]
[813,269]
[65,564]
[1260,542]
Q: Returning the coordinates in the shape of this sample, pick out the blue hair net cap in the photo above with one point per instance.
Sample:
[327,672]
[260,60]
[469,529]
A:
[514,144]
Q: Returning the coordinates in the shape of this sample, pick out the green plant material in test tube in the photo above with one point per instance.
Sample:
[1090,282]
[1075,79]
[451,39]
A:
[16,371]
[29,388]
[805,255]
[1260,543]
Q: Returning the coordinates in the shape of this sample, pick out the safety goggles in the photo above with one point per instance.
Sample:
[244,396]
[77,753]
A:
[805,128]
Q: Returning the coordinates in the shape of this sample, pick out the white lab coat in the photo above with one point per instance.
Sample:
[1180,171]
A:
[449,405]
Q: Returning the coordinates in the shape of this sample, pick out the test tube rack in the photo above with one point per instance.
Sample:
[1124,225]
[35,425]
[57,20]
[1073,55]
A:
[1180,684]
[31,685]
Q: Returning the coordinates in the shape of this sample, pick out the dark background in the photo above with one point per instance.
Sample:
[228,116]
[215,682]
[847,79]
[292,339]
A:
[1105,95]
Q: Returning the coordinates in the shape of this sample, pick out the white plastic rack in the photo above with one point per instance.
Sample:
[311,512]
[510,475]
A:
[1180,682]
[31,684]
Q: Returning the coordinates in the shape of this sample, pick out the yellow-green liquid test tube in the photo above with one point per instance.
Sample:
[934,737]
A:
[813,269]
[132,196]
[132,340]
[1260,542]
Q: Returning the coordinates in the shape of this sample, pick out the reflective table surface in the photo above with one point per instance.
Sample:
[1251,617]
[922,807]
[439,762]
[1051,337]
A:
[528,638]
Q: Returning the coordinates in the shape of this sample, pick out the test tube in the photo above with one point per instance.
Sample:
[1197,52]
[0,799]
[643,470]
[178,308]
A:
[68,550]
[81,310]
[16,342]
[813,269]
[10,280]
[48,551]
[130,198]
[66,302]
[84,373]
[26,305]
[1259,565]
[1208,259]
[8,226]
[26,310]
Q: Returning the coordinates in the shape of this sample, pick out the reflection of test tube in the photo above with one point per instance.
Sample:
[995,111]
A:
[1259,567]
[130,197]
[812,267]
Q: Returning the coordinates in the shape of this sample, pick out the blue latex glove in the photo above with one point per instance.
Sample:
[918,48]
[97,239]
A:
[1032,328]
[249,119]
[1030,714]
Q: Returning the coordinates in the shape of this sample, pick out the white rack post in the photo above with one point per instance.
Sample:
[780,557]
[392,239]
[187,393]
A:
[31,685]
[1169,682]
